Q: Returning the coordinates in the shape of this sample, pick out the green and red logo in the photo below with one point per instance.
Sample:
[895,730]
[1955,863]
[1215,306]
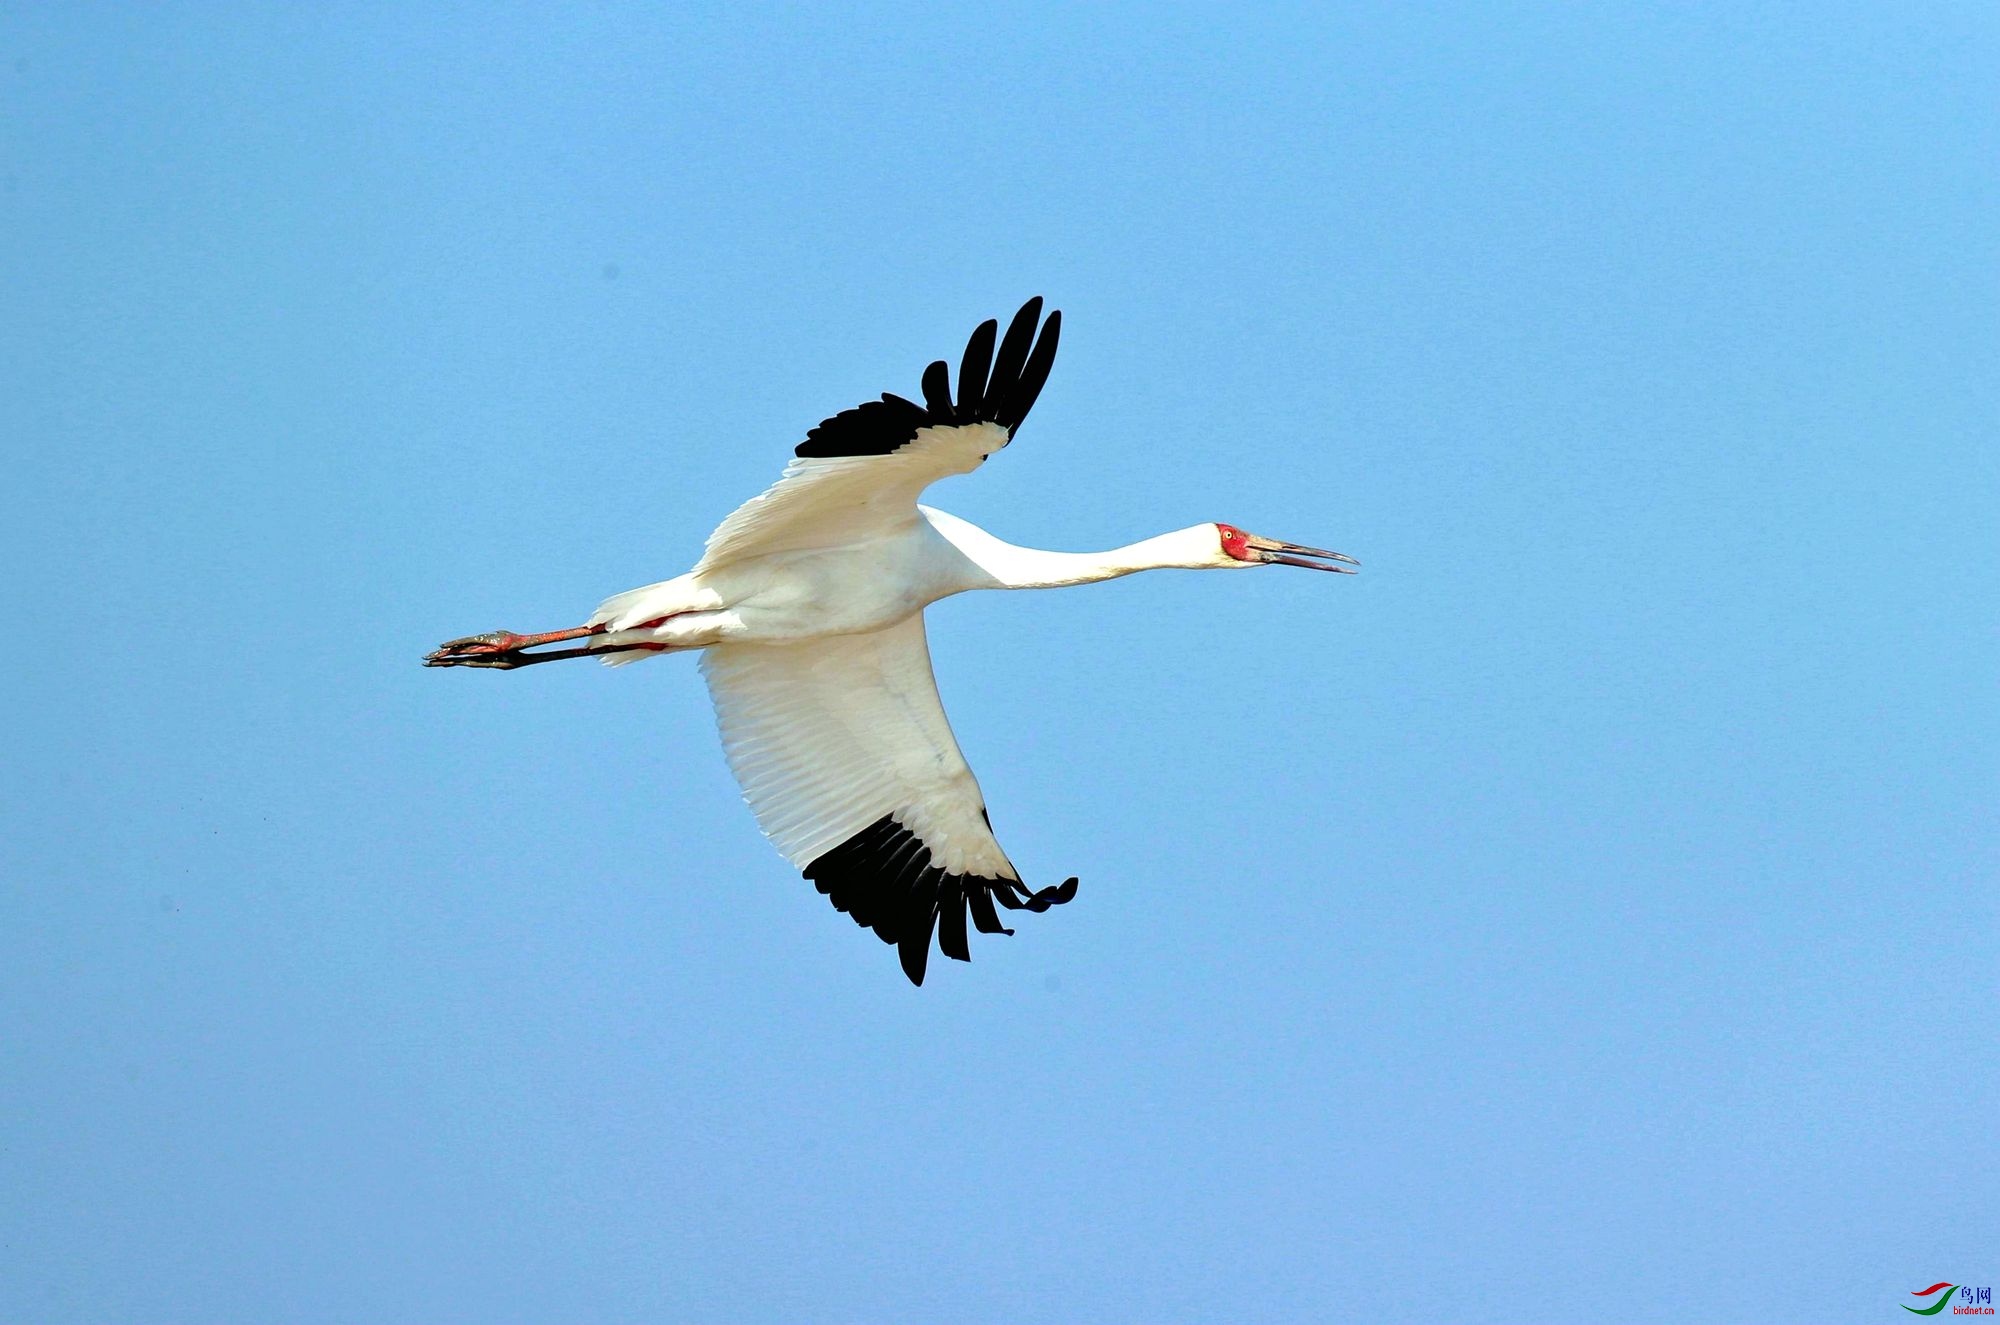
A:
[1972,1301]
[1944,1299]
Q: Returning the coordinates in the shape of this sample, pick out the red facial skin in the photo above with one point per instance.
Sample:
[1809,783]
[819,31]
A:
[1235,542]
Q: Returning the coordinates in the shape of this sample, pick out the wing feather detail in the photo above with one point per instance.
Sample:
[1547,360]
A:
[827,737]
[1003,396]
[972,370]
[858,475]
[937,395]
[840,500]
[1014,348]
[845,756]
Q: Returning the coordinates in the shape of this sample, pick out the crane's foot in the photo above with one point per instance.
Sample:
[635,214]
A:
[498,648]
[504,649]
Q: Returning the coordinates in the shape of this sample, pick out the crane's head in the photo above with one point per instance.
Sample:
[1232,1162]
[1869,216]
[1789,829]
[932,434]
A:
[1250,550]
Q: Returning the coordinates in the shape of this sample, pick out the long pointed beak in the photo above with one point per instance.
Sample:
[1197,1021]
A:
[1294,554]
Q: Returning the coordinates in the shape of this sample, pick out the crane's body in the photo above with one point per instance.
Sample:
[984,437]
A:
[861,587]
[807,604]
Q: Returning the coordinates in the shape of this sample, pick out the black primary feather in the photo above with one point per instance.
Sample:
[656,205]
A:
[991,389]
[937,392]
[1014,348]
[883,878]
[1014,406]
[972,370]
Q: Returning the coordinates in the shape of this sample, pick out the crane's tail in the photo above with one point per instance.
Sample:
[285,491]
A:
[631,618]
[622,611]
[644,645]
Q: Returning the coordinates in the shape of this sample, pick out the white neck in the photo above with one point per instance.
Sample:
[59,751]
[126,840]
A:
[1000,565]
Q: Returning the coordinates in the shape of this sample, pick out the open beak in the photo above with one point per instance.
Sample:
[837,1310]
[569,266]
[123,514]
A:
[1292,554]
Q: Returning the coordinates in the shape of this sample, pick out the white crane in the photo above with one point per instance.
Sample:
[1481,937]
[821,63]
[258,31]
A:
[808,604]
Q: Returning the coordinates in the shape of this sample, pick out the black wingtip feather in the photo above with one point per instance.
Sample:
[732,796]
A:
[984,918]
[991,389]
[1014,348]
[884,880]
[1034,376]
[937,392]
[914,946]
[951,935]
[972,370]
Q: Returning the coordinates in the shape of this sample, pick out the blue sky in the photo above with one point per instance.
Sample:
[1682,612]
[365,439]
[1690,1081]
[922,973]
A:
[1586,913]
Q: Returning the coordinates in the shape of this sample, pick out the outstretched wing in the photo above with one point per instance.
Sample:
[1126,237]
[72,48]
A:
[858,474]
[843,752]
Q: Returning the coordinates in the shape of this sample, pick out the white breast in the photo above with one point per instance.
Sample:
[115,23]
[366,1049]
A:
[852,590]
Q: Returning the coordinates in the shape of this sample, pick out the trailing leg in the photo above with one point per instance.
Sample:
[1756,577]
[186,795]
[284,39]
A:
[505,649]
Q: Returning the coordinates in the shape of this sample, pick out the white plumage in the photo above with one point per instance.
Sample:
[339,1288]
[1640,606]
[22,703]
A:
[828,501]
[826,738]
[808,602]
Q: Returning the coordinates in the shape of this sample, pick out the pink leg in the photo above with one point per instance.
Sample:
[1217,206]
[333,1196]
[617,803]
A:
[504,649]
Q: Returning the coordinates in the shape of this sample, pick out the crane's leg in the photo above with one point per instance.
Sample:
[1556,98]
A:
[504,649]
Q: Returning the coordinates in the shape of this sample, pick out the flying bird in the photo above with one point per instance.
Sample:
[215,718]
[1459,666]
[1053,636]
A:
[807,606]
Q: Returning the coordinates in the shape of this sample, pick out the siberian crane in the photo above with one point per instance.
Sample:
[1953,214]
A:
[807,606]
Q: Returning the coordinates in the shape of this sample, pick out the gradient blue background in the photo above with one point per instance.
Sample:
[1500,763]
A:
[1587,913]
